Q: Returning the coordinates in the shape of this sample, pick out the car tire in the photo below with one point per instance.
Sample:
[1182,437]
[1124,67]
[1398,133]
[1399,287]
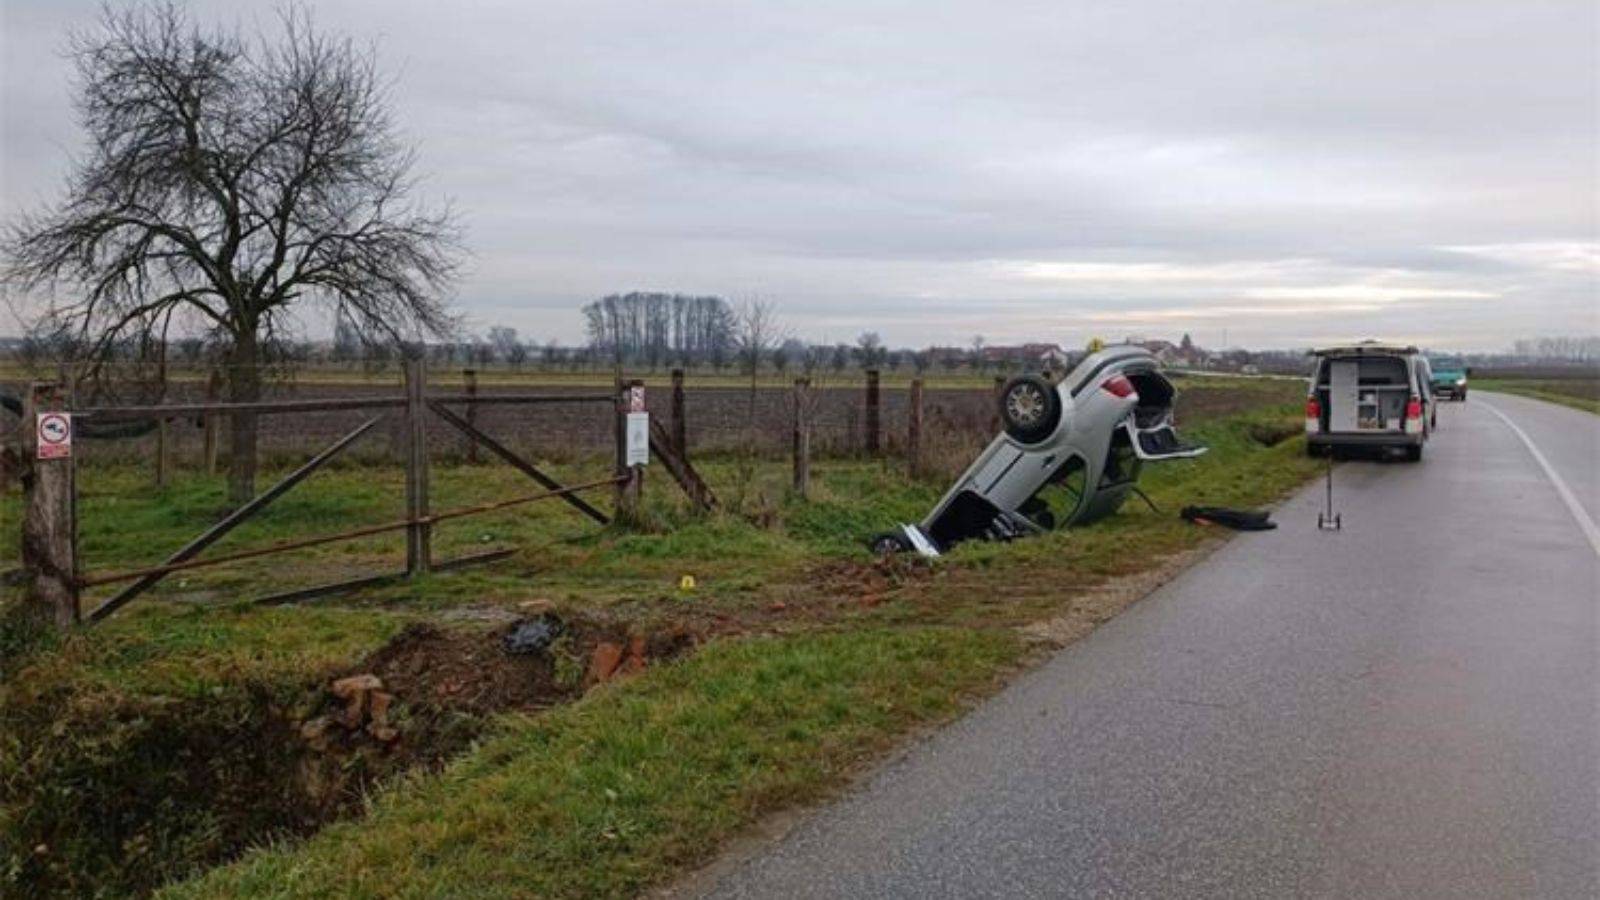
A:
[888,544]
[1030,408]
[1414,453]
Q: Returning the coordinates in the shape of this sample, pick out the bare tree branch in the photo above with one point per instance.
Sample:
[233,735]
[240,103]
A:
[240,180]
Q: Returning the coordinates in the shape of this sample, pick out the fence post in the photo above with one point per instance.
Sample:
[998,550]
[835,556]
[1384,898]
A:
[163,452]
[802,436]
[631,488]
[213,422]
[874,431]
[470,377]
[49,523]
[680,431]
[914,429]
[999,388]
[419,535]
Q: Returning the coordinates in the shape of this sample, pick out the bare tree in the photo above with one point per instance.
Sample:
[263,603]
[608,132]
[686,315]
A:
[506,345]
[869,350]
[978,360]
[229,181]
[756,332]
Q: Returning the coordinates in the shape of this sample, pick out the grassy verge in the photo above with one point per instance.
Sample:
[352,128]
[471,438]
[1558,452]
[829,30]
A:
[180,693]
[1578,393]
[603,797]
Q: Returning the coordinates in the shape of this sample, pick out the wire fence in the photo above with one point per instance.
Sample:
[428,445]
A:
[719,419]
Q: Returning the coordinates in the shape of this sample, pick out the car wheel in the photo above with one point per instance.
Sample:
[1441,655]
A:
[1030,408]
[1414,453]
[888,544]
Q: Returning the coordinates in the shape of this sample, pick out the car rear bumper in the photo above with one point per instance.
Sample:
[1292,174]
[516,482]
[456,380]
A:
[1365,439]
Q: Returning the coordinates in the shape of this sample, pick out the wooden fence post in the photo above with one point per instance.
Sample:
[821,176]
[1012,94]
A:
[914,429]
[999,387]
[419,535]
[802,436]
[213,422]
[163,452]
[680,431]
[470,378]
[50,521]
[630,488]
[874,421]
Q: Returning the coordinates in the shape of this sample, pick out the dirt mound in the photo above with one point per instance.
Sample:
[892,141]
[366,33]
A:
[468,670]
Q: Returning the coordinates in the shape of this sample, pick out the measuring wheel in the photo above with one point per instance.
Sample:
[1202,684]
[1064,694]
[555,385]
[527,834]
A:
[1328,520]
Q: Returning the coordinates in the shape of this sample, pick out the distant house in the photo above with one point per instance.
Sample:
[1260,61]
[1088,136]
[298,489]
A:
[1031,356]
[947,357]
[1165,352]
[1170,354]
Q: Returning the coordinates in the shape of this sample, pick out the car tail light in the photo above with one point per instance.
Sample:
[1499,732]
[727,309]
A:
[1118,386]
[1313,408]
[1414,409]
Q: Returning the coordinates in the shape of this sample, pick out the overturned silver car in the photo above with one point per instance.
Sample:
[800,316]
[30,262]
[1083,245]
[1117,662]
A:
[1071,454]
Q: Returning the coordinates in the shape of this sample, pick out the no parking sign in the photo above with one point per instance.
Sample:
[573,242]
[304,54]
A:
[55,435]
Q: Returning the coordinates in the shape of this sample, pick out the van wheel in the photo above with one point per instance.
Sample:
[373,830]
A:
[1414,453]
[1030,408]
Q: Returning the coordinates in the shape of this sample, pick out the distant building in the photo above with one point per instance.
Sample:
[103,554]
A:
[1031,356]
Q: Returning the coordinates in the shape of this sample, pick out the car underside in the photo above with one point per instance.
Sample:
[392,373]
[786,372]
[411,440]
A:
[1070,454]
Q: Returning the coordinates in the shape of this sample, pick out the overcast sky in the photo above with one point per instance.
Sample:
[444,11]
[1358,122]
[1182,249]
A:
[1289,172]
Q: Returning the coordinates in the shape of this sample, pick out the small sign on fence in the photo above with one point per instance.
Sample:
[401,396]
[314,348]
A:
[636,398]
[55,435]
[638,447]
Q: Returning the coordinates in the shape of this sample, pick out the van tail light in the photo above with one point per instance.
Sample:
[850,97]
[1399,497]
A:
[1118,386]
[1313,416]
[1414,408]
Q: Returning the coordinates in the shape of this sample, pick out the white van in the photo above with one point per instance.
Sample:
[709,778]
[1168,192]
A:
[1371,395]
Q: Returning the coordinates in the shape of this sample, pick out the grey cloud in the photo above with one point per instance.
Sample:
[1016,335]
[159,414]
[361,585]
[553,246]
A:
[891,165]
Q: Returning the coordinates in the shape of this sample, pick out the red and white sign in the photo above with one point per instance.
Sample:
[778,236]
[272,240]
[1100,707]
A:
[636,398]
[55,435]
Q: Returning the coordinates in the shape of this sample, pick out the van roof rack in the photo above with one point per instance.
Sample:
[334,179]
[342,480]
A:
[1360,347]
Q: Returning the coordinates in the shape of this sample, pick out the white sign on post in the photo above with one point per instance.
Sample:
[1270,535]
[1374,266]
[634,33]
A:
[55,435]
[636,398]
[638,446]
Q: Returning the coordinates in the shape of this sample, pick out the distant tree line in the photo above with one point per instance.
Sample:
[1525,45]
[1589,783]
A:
[655,329]
[1559,349]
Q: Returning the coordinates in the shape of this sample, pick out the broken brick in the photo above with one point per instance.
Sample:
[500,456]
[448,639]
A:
[603,662]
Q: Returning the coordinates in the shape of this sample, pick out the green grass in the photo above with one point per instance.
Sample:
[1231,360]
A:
[692,750]
[162,740]
[616,792]
[1578,393]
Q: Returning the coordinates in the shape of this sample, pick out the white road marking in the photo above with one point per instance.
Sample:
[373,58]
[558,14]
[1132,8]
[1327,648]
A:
[1590,530]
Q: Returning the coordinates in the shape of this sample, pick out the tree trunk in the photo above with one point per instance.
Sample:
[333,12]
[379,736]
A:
[244,386]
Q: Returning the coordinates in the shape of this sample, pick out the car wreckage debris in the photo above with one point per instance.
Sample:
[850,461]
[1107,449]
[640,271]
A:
[1237,519]
[533,636]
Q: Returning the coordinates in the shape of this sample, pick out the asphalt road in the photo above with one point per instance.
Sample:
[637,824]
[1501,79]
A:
[1406,708]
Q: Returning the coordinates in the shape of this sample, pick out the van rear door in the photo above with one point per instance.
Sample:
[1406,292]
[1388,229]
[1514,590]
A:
[1366,394]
